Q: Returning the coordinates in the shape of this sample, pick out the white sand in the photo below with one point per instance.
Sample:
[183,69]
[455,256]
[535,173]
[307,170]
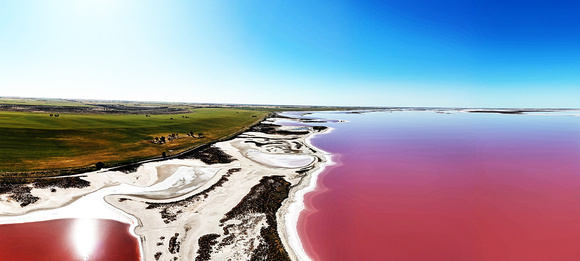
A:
[290,161]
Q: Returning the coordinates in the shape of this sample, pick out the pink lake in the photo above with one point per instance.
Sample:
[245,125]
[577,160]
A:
[68,239]
[427,186]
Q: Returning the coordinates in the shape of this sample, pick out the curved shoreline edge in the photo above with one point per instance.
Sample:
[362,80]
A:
[290,212]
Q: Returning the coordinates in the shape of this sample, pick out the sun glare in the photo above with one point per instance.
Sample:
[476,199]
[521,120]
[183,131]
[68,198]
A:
[85,237]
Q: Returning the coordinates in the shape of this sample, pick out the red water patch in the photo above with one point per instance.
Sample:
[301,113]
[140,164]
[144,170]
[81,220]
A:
[451,190]
[55,240]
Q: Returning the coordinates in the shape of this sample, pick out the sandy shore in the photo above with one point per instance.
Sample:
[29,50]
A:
[291,208]
[242,207]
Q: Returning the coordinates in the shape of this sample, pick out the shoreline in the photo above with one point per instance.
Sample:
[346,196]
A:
[257,153]
[290,212]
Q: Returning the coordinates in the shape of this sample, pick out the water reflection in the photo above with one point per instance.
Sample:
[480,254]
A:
[85,237]
[68,240]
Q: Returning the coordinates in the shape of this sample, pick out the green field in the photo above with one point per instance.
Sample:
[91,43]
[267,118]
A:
[46,102]
[36,141]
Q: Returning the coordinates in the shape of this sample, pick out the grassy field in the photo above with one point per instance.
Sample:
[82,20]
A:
[47,102]
[36,141]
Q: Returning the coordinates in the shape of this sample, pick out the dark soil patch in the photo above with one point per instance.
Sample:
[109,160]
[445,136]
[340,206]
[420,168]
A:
[20,189]
[209,155]
[127,169]
[266,198]
[206,243]
[174,244]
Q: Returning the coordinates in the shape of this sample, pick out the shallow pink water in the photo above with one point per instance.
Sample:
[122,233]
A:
[426,186]
[67,239]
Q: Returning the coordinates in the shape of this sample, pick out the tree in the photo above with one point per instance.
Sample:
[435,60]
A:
[100,165]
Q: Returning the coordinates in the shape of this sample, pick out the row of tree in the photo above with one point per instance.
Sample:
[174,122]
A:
[191,134]
[174,136]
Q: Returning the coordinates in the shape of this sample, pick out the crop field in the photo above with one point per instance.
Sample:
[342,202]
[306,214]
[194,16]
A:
[37,141]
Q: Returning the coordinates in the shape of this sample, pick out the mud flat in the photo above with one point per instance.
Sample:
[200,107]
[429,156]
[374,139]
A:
[240,205]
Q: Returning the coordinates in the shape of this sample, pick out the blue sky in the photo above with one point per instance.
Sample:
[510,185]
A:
[369,53]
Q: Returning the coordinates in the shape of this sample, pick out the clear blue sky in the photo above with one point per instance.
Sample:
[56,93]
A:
[377,53]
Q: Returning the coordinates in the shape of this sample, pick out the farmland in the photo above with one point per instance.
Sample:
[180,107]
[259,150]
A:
[41,141]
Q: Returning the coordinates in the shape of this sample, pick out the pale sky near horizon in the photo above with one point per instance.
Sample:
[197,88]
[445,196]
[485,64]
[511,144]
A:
[342,52]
